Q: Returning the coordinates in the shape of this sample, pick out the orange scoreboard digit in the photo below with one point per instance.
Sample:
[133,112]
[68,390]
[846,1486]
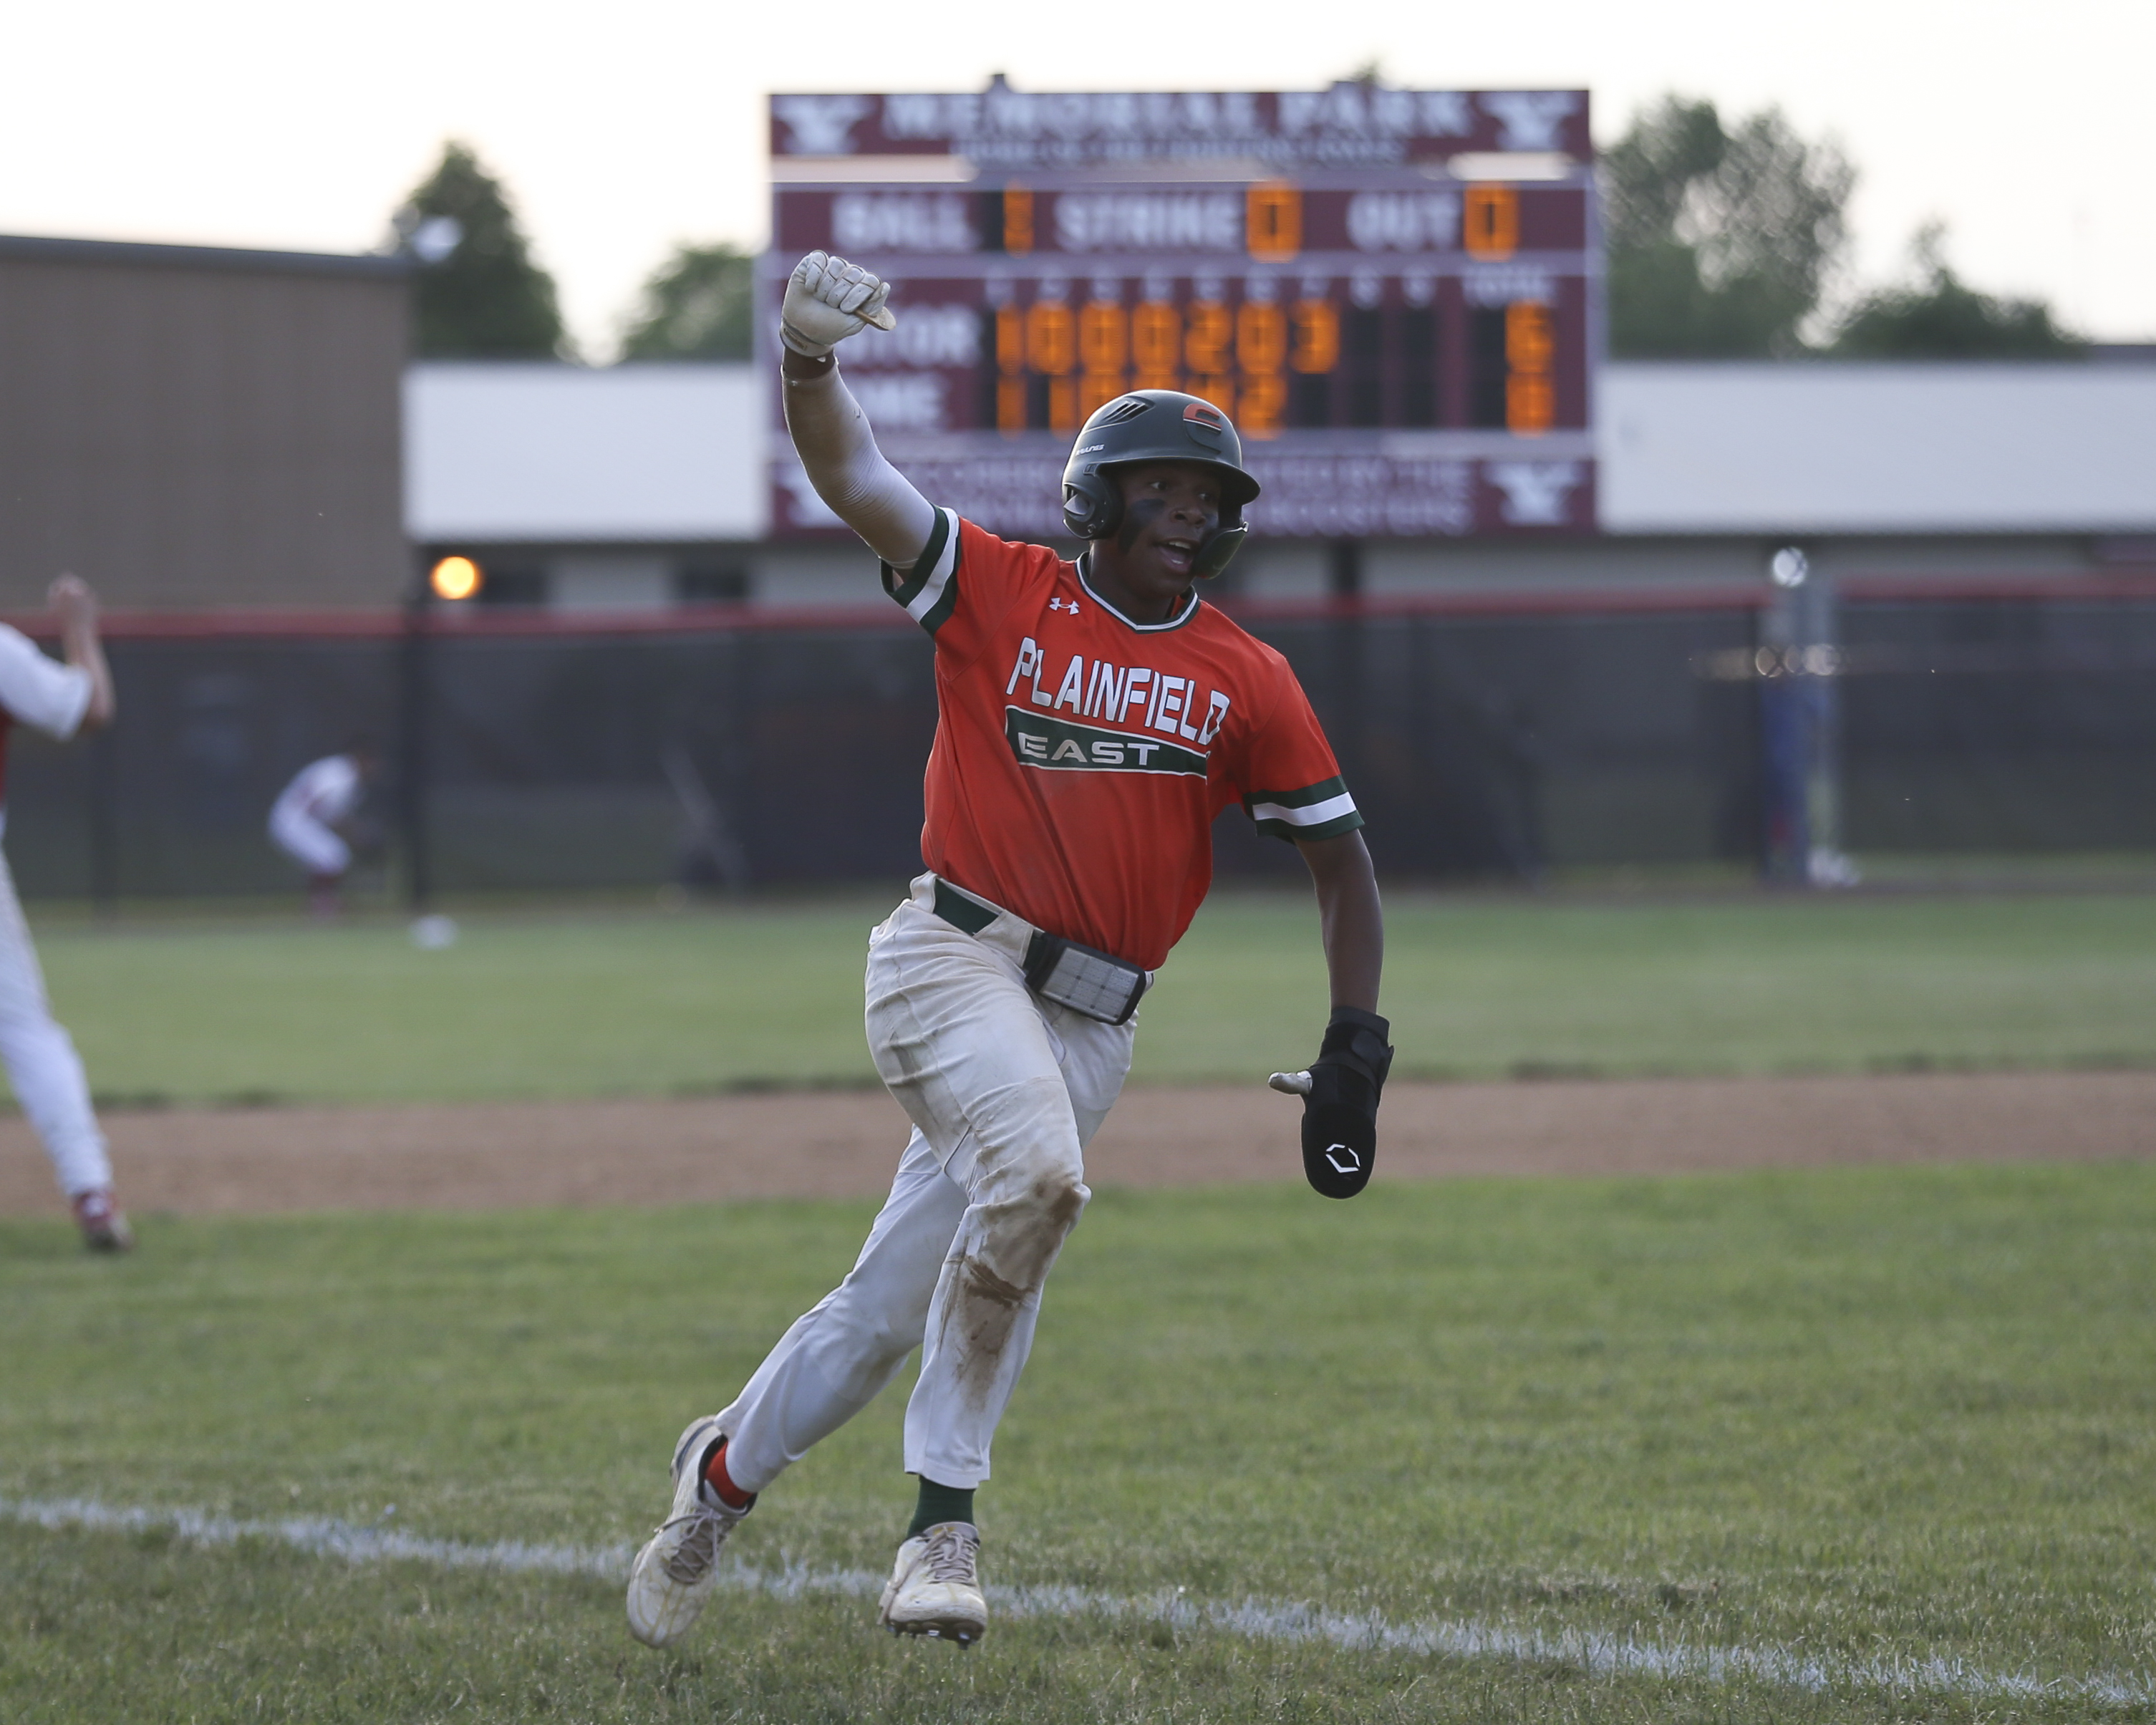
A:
[1396,293]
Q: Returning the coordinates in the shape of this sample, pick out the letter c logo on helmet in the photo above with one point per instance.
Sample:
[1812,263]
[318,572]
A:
[1156,425]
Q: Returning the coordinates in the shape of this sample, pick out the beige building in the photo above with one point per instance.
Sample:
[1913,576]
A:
[192,429]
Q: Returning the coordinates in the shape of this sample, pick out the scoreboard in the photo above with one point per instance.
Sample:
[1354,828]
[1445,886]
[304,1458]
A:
[1395,294]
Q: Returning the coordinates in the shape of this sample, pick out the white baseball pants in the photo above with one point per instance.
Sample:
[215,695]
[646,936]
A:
[1005,1091]
[42,1064]
[315,847]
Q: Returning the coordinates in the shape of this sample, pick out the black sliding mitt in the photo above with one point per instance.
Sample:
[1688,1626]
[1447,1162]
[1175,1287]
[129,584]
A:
[1340,1093]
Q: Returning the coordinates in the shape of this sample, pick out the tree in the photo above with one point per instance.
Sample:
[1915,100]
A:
[698,304]
[479,295]
[1938,317]
[1721,243]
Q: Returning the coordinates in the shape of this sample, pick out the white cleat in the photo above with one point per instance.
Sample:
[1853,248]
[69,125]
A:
[673,1574]
[935,1588]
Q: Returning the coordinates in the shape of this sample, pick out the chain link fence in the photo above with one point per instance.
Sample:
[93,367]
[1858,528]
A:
[735,756]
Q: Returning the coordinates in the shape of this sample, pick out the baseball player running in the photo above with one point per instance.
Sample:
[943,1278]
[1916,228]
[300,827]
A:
[1093,719]
[61,700]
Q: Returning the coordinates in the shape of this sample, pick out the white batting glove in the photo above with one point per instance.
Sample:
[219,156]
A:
[827,300]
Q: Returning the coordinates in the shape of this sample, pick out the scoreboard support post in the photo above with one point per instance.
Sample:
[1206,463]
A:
[1343,568]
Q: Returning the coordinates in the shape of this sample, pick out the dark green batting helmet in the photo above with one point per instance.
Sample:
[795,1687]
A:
[1156,425]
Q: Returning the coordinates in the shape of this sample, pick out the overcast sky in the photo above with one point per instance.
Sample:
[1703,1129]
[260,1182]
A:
[2028,129]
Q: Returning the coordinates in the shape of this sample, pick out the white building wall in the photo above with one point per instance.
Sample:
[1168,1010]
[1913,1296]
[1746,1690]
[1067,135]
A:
[616,581]
[1704,468]
[536,453]
[1834,448]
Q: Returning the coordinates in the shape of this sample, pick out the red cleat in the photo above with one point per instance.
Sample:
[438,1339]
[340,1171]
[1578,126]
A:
[104,1228]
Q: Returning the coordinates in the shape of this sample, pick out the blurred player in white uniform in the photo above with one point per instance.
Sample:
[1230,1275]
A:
[62,700]
[305,819]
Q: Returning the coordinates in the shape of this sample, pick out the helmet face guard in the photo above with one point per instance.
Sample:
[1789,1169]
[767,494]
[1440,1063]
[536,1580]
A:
[1156,425]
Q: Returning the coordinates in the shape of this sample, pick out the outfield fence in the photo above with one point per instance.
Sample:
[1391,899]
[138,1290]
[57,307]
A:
[732,748]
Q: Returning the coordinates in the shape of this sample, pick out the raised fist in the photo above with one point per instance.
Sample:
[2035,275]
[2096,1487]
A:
[72,601]
[827,300]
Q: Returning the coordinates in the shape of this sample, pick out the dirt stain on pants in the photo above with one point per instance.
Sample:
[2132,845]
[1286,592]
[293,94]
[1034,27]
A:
[1003,1274]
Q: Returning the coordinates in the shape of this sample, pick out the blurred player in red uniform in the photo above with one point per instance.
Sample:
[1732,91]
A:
[62,700]
[1093,719]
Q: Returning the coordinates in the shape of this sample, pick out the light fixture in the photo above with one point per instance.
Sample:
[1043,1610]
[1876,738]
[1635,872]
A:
[455,578]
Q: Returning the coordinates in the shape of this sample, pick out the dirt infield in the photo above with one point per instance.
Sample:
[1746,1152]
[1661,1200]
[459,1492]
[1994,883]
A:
[496,1156]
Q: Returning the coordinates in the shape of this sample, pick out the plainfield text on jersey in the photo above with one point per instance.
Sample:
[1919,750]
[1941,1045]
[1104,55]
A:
[1164,702]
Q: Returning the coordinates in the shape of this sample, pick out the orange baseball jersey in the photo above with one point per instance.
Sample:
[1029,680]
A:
[1080,757]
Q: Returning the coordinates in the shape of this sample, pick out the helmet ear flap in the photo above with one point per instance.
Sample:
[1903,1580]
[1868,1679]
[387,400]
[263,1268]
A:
[1092,505]
[1220,546]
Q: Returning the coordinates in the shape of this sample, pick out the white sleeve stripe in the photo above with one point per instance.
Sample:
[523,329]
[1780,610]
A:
[939,578]
[1317,814]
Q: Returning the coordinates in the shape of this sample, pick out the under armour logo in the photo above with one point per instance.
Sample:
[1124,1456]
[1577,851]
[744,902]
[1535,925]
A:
[1353,1162]
[1070,605]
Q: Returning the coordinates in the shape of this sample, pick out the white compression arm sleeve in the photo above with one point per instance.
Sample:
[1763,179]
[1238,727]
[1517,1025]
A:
[831,433]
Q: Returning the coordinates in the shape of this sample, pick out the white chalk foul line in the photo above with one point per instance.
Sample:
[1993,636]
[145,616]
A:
[1257,1620]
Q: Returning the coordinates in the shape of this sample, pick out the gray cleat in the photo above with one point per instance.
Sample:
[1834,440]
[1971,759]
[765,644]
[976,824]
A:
[673,1573]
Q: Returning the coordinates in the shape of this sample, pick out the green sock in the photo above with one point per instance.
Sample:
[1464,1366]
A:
[941,1503]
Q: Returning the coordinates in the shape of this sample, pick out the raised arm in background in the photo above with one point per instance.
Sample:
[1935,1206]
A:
[827,300]
[76,607]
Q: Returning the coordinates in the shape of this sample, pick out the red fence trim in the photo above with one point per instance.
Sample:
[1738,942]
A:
[728,618]
[1859,588]
[482,624]
[445,625]
[1556,602]
[232,625]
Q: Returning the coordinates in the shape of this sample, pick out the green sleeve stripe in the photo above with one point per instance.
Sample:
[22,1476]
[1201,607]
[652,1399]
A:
[930,587]
[937,614]
[1323,810]
[1324,791]
[1347,823]
[907,588]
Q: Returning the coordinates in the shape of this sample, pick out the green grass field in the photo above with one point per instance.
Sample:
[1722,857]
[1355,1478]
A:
[1823,1425]
[1868,1445]
[532,1004]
